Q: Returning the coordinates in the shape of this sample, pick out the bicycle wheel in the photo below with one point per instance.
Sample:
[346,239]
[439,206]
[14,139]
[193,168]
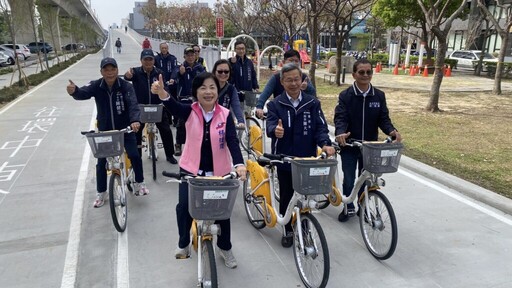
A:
[152,151]
[313,262]
[253,206]
[244,135]
[209,269]
[117,200]
[380,231]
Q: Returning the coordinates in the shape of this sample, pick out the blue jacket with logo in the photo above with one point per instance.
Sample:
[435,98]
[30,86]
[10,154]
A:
[167,63]
[142,84]
[117,107]
[305,127]
[244,75]
[362,114]
[184,81]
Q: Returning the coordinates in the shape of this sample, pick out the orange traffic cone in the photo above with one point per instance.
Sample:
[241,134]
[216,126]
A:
[448,72]
[403,67]
[377,67]
[395,70]
[425,71]
[412,72]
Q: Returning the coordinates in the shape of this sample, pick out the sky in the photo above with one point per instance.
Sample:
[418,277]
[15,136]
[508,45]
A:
[112,11]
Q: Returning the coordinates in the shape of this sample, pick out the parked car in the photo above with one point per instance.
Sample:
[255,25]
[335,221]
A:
[73,47]
[11,54]
[468,58]
[3,58]
[20,49]
[39,47]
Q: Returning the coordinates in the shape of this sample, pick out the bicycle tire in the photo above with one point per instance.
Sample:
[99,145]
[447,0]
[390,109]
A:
[380,234]
[314,265]
[322,200]
[152,148]
[244,134]
[253,209]
[118,202]
[209,268]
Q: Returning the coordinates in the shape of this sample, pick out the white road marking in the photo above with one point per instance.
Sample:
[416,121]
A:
[3,192]
[456,197]
[123,270]
[73,247]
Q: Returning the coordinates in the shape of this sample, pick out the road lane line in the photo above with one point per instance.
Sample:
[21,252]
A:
[123,271]
[73,247]
[456,196]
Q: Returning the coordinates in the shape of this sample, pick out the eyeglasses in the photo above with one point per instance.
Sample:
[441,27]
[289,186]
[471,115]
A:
[223,71]
[197,50]
[362,72]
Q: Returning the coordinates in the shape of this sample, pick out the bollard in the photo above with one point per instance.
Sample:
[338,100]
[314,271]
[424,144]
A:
[343,75]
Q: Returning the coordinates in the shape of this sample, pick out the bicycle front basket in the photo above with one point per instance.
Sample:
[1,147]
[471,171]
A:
[106,144]
[211,199]
[251,98]
[313,176]
[381,157]
[151,113]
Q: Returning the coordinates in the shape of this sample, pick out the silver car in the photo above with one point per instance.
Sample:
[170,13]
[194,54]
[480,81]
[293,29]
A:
[3,58]
[11,54]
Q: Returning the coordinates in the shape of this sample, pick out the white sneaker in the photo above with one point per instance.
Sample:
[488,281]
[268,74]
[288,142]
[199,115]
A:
[140,189]
[100,199]
[229,259]
[182,253]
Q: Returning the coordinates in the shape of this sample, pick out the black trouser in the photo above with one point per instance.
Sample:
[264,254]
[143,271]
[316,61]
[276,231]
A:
[165,132]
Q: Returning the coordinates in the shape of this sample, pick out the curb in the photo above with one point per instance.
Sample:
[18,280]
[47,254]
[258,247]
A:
[466,188]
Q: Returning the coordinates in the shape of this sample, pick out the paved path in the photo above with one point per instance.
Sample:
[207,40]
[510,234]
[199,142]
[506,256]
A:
[52,237]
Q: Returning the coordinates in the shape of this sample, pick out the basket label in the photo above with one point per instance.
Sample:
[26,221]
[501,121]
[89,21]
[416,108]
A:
[388,153]
[321,171]
[150,109]
[103,139]
[215,194]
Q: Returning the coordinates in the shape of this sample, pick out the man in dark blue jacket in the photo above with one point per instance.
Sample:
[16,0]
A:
[360,112]
[168,63]
[297,126]
[244,74]
[117,109]
[183,78]
[142,77]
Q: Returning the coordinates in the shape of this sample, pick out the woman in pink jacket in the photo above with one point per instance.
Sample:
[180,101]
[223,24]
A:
[211,149]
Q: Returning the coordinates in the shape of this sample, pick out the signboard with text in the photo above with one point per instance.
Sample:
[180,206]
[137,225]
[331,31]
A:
[220,27]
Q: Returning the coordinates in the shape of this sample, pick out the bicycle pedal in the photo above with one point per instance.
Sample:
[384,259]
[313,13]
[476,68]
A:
[159,145]
[183,257]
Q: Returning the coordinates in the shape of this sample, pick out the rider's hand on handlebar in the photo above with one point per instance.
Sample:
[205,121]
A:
[240,125]
[329,150]
[342,138]
[135,126]
[259,113]
[242,172]
[396,135]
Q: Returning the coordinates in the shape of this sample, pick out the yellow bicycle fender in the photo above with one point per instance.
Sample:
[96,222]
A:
[255,138]
[270,216]
[194,234]
[335,196]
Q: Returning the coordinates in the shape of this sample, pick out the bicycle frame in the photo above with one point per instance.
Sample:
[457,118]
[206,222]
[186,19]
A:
[206,229]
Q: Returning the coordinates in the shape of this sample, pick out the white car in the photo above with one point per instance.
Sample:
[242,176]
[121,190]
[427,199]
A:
[3,58]
[468,58]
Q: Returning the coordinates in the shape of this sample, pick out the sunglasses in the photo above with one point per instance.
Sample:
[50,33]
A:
[367,72]
[223,71]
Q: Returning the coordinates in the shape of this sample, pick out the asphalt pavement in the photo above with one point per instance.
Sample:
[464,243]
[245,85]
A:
[53,237]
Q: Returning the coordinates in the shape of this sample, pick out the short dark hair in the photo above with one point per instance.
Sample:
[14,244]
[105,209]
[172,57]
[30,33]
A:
[199,80]
[287,68]
[238,42]
[360,62]
[219,62]
[291,53]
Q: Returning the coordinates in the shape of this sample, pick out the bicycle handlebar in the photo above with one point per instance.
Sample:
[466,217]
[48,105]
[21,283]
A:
[126,130]
[185,176]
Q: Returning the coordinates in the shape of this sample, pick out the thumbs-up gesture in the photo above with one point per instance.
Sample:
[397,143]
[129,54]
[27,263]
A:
[129,73]
[158,88]
[71,88]
[279,129]
[182,69]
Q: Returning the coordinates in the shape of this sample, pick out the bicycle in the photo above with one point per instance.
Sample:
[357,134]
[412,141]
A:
[209,199]
[377,219]
[110,145]
[150,114]
[251,137]
[311,176]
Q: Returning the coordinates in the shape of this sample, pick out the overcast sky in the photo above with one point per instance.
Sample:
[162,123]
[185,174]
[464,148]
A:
[112,11]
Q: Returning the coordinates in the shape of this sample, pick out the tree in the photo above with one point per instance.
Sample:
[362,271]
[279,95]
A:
[345,15]
[439,21]
[314,11]
[503,9]
[244,15]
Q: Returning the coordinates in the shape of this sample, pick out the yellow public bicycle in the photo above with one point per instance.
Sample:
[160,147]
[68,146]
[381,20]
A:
[209,199]
[110,145]
[150,114]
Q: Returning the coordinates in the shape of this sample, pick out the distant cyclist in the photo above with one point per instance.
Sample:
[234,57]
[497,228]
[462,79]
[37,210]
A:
[118,45]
